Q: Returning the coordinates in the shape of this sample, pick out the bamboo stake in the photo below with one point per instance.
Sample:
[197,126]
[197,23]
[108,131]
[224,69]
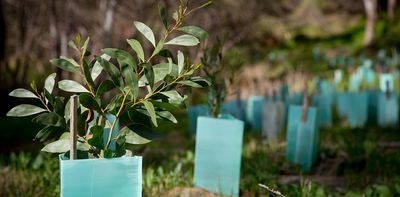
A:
[73,127]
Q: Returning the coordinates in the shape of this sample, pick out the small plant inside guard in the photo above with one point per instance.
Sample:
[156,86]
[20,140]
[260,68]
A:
[138,89]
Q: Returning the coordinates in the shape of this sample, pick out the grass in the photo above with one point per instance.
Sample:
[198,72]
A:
[351,162]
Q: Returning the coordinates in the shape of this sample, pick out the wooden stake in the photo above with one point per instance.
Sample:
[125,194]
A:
[387,90]
[73,127]
[305,104]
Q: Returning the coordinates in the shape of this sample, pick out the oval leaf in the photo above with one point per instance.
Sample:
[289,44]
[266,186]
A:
[59,146]
[137,47]
[22,93]
[158,48]
[49,83]
[66,64]
[86,100]
[71,86]
[150,108]
[181,61]
[25,110]
[112,70]
[105,86]
[146,31]
[184,40]
[50,119]
[195,31]
[138,134]
[163,15]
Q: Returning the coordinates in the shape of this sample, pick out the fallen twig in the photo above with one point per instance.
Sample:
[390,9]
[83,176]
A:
[271,190]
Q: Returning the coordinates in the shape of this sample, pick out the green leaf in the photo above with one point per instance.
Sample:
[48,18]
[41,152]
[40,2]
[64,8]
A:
[105,86]
[77,39]
[181,61]
[62,145]
[146,31]
[86,100]
[59,146]
[131,81]
[150,108]
[96,70]
[49,83]
[184,40]
[163,15]
[160,72]
[137,47]
[97,137]
[33,85]
[87,74]
[167,116]
[123,57]
[112,70]
[166,53]
[190,83]
[195,31]
[164,105]
[138,134]
[44,133]
[24,110]
[173,96]
[201,81]
[175,16]
[149,73]
[66,64]
[72,45]
[71,86]
[158,48]
[107,153]
[84,47]
[49,119]
[22,93]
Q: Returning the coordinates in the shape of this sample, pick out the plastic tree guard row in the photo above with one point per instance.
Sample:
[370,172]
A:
[302,137]
[218,159]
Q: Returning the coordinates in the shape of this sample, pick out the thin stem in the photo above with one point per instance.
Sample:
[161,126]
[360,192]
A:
[115,121]
[44,104]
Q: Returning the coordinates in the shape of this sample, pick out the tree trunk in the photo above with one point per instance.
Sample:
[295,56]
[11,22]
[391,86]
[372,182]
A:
[108,7]
[2,33]
[391,9]
[2,45]
[371,13]
[55,35]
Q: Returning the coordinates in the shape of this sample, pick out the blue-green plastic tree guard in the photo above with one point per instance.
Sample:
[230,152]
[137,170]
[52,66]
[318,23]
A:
[388,110]
[296,99]
[373,106]
[324,107]
[101,177]
[357,112]
[218,155]
[254,112]
[273,120]
[342,103]
[193,113]
[302,137]
[354,82]
[236,108]
[338,76]
[328,89]
[386,81]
